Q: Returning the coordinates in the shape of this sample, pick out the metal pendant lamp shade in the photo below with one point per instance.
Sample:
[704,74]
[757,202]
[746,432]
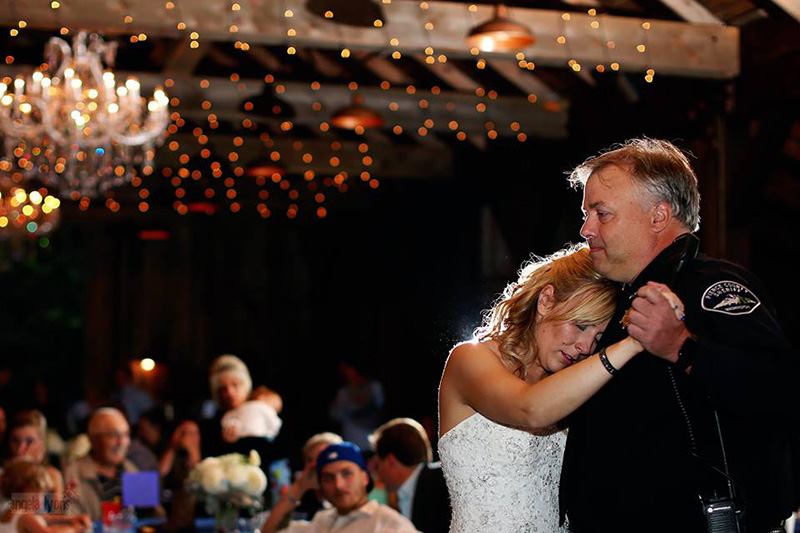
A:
[264,167]
[354,115]
[500,34]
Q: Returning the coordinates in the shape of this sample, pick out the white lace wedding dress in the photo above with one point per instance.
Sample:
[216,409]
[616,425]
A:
[502,480]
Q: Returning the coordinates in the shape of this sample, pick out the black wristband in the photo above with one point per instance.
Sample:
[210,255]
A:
[686,353]
[606,363]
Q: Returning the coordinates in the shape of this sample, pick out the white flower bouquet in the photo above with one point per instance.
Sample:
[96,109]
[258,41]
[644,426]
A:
[230,484]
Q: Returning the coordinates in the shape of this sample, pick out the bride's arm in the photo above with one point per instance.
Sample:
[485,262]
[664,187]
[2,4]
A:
[483,382]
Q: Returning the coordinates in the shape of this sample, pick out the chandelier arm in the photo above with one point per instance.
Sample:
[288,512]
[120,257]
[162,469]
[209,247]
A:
[153,127]
[58,54]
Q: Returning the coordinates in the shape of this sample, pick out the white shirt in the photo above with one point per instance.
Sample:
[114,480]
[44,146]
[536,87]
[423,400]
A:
[405,493]
[372,517]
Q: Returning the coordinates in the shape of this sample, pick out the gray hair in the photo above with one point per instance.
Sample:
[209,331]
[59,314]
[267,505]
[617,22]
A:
[103,412]
[228,364]
[320,438]
[659,167]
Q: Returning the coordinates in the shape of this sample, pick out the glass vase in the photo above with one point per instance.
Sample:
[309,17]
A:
[226,518]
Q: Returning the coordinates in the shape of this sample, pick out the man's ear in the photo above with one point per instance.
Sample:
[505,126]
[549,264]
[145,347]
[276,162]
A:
[546,300]
[661,215]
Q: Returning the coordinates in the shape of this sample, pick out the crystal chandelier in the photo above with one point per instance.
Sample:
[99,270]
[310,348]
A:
[73,126]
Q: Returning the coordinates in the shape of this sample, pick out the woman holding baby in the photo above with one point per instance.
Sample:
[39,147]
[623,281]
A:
[247,419]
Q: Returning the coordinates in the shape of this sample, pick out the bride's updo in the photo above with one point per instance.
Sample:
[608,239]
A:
[581,295]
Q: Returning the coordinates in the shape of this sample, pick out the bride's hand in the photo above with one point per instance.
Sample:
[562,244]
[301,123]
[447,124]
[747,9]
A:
[674,302]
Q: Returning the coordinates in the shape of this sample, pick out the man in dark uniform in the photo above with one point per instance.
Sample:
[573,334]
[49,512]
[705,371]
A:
[645,449]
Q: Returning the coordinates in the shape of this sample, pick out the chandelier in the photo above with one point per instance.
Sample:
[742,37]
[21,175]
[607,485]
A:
[73,126]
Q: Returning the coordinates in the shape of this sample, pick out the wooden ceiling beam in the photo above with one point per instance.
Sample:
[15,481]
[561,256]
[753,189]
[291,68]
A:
[543,120]
[383,68]
[547,120]
[692,11]
[524,80]
[418,161]
[450,74]
[265,58]
[673,48]
[792,7]
[183,60]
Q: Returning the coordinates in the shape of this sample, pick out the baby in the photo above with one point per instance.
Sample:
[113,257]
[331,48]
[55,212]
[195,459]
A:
[255,418]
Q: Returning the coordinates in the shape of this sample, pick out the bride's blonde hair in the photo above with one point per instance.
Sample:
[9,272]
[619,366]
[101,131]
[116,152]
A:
[580,293]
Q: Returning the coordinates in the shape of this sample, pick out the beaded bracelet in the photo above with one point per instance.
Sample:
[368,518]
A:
[606,363]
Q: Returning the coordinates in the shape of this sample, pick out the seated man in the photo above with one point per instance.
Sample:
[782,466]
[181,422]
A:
[312,501]
[403,454]
[97,477]
[344,481]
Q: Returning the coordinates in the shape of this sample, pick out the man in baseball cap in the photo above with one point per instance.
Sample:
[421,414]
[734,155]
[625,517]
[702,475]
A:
[344,482]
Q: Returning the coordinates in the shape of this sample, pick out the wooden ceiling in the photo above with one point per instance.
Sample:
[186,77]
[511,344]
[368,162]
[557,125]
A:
[433,87]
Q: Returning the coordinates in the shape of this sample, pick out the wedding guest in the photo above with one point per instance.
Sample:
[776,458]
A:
[151,429]
[403,461]
[231,384]
[27,436]
[306,483]
[133,398]
[25,484]
[379,492]
[344,481]
[142,457]
[183,449]
[97,477]
[181,455]
[231,387]
[146,443]
[358,405]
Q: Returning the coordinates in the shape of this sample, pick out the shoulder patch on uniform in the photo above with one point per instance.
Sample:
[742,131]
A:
[730,298]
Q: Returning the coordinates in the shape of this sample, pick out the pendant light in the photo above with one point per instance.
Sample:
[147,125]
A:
[500,34]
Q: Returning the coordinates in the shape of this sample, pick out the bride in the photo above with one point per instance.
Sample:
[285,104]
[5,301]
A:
[504,395]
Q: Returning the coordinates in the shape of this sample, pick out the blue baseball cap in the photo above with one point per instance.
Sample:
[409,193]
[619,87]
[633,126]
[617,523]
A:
[345,451]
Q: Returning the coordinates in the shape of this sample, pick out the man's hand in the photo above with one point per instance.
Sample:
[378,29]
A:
[654,321]
[307,480]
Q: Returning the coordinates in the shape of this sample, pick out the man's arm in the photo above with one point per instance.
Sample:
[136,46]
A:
[741,358]
[281,511]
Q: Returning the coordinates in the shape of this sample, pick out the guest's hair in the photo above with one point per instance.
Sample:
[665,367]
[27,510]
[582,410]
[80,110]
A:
[228,364]
[320,438]
[22,475]
[659,167]
[30,418]
[580,293]
[91,429]
[405,438]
